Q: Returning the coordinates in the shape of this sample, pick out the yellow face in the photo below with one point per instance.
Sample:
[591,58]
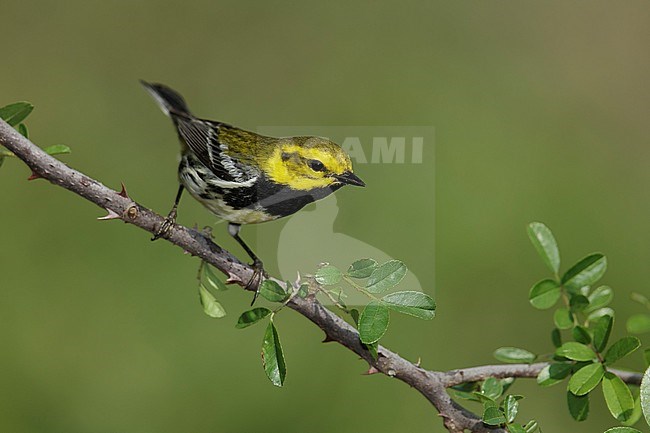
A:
[305,163]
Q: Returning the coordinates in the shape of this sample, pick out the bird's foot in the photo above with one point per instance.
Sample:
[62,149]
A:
[166,225]
[256,280]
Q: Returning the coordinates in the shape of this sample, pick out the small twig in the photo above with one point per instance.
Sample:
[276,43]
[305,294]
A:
[333,299]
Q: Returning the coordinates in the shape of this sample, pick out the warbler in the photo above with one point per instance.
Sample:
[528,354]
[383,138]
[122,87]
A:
[247,178]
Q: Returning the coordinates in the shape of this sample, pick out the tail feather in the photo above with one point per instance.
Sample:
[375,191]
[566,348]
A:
[170,101]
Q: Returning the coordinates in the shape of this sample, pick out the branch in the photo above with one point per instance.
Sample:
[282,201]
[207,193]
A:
[475,374]
[431,384]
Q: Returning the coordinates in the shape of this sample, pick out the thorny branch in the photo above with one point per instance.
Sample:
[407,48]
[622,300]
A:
[431,384]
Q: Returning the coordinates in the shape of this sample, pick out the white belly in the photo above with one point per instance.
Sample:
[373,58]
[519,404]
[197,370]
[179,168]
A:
[237,216]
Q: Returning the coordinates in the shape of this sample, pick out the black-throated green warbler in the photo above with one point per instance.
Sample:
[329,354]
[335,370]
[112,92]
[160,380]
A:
[247,178]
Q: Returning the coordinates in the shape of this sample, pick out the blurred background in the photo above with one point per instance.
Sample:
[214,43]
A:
[540,113]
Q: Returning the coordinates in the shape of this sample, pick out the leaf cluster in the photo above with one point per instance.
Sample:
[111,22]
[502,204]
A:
[586,357]
[499,409]
[15,115]
[373,280]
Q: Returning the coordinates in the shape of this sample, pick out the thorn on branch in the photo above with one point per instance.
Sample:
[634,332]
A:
[110,216]
[123,192]
[372,370]
[234,279]
[34,176]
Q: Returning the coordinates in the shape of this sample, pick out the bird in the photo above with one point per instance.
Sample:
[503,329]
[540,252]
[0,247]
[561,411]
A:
[246,178]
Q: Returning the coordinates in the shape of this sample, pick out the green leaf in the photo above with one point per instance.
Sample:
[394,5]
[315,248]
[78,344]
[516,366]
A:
[272,291]
[492,388]
[553,373]
[386,276]
[355,316]
[328,275]
[487,401]
[373,322]
[594,315]
[493,416]
[211,306]
[578,406]
[586,379]
[251,317]
[622,430]
[638,323]
[465,391]
[362,268]
[467,386]
[576,351]
[57,149]
[507,383]
[586,272]
[636,413]
[531,426]
[621,348]
[515,428]
[641,299]
[15,113]
[581,335]
[510,408]
[597,314]
[646,357]
[544,294]
[22,128]
[556,337]
[563,318]
[2,160]
[464,395]
[514,355]
[599,298]
[545,244]
[645,395]
[416,304]
[303,291]
[213,280]
[578,303]
[272,356]
[618,397]
[602,329]
[372,348]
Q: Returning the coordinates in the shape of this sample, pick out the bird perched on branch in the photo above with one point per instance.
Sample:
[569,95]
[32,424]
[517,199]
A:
[247,178]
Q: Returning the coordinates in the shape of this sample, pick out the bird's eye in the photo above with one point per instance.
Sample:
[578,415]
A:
[316,165]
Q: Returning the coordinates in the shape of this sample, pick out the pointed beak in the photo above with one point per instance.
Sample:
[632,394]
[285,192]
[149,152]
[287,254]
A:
[349,178]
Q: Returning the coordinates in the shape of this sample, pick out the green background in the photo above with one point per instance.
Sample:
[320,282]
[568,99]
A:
[540,111]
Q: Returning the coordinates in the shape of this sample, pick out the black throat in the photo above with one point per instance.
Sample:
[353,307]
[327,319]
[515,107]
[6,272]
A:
[278,200]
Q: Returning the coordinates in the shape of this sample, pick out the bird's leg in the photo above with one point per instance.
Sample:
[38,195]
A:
[171,217]
[256,279]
